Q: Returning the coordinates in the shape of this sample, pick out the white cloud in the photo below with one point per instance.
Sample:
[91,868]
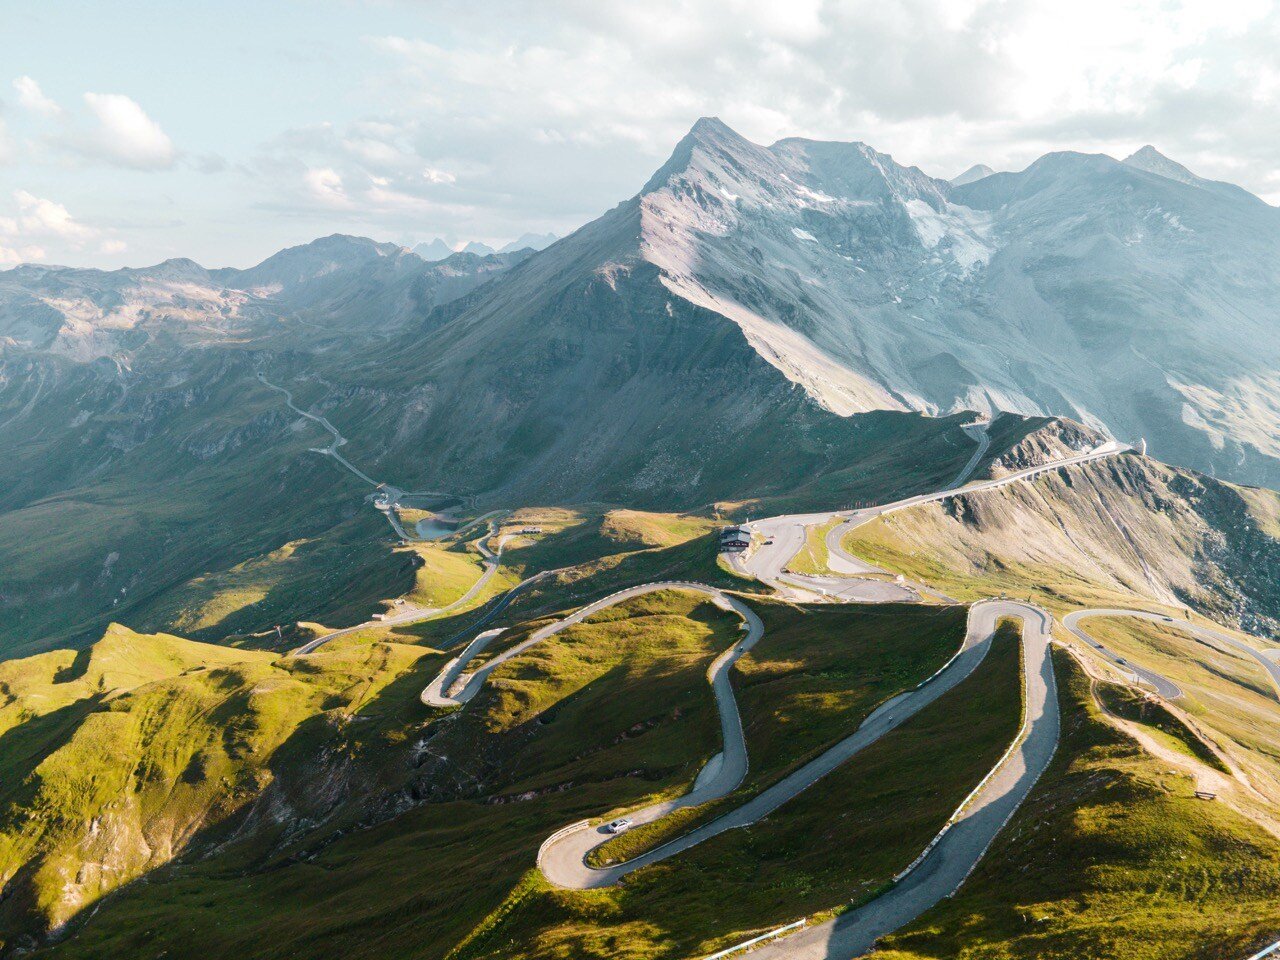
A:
[572,102]
[125,135]
[32,97]
[37,227]
[45,218]
[12,256]
[438,176]
[325,185]
[487,120]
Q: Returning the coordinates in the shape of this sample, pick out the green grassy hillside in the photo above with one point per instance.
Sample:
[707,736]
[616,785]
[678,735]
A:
[603,716]
[879,811]
[116,757]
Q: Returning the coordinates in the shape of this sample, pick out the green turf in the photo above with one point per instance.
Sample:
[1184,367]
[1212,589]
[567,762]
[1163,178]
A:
[609,711]
[1129,704]
[112,759]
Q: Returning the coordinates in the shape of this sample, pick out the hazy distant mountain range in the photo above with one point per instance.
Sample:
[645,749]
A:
[352,282]
[438,249]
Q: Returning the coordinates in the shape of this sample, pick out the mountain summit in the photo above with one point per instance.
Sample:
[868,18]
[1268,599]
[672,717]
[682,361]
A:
[976,172]
[876,286]
[1153,161]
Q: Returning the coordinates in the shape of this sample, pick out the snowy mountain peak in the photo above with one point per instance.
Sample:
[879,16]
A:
[800,233]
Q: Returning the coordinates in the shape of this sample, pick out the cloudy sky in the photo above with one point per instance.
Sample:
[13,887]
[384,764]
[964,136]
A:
[135,131]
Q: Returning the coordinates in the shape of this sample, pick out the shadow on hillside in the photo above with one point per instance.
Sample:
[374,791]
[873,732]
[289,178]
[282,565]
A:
[331,781]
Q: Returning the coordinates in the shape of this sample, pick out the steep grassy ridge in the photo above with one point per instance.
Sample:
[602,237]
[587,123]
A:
[1226,692]
[1095,534]
[598,718]
[116,757]
[818,672]
[610,711]
[338,578]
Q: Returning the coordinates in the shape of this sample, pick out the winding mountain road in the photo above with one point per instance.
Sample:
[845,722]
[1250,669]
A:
[337,440]
[787,533]
[963,842]
[391,495]
[489,561]
[562,857]
[1163,685]
[947,861]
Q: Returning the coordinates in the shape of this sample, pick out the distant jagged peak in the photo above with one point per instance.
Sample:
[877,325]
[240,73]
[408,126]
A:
[433,250]
[1153,161]
[529,241]
[439,248]
[977,172]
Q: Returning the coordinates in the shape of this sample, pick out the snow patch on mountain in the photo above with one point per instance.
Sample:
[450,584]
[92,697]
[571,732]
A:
[963,233]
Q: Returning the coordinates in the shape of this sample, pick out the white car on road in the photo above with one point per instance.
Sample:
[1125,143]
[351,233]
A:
[617,826]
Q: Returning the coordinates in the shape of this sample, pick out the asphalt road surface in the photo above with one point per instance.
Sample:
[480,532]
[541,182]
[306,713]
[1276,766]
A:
[562,855]
[1165,687]
[337,440]
[562,858]
[961,844]
[767,561]
[853,589]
